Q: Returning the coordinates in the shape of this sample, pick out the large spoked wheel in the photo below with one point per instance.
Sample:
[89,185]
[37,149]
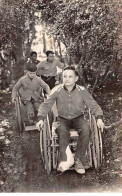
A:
[97,151]
[18,113]
[45,145]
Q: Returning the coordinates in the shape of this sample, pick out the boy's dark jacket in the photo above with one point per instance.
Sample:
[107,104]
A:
[70,104]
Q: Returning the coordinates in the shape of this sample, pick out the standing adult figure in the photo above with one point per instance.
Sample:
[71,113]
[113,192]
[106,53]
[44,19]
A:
[48,69]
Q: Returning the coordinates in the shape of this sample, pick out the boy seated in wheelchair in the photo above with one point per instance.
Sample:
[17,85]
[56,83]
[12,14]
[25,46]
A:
[30,88]
[70,100]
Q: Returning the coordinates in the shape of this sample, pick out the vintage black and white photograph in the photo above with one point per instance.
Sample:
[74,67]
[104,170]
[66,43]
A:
[60,96]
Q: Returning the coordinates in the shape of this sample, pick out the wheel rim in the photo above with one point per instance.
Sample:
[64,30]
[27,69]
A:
[18,114]
[101,146]
[46,148]
[41,145]
[95,144]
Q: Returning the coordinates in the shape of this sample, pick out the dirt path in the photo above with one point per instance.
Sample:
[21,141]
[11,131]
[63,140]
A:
[22,170]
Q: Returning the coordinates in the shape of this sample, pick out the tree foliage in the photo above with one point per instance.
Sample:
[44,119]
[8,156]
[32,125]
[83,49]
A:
[16,17]
[16,35]
[89,29]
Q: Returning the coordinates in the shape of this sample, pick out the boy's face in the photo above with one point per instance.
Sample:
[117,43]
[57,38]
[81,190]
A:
[34,57]
[69,78]
[50,57]
[31,74]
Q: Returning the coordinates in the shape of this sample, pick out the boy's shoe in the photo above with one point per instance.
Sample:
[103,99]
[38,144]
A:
[86,166]
[79,167]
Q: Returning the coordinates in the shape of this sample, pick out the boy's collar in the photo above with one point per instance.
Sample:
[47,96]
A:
[29,77]
[72,89]
[47,61]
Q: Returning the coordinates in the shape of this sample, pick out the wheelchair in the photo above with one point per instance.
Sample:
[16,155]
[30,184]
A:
[50,148]
[19,106]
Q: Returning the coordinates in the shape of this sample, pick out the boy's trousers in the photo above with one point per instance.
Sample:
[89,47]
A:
[32,106]
[63,131]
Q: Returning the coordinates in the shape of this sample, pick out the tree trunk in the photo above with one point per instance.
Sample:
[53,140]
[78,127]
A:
[60,52]
[44,43]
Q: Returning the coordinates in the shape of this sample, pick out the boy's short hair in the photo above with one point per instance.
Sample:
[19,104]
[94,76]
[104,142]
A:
[49,52]
[32,53]
[31,67]
[71,68]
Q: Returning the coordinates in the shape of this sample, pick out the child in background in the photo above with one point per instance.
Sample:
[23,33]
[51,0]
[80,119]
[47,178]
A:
[30,88]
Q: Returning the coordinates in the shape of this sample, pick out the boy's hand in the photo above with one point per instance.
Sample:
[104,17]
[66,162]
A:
[46,96]
[13,100]
[49,91]
[100,124]
[39,124]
